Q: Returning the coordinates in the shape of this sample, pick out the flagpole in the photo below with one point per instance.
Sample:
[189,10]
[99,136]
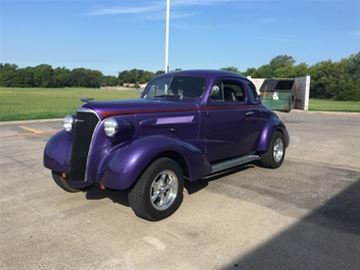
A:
[167,36]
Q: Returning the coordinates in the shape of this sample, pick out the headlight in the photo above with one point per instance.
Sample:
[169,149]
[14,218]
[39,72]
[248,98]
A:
[110,127]
[68,122]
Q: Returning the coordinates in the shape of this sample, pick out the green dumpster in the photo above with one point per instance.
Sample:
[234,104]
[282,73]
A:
[277,94]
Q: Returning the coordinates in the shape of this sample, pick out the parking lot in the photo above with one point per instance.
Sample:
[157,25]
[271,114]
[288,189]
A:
[304,215]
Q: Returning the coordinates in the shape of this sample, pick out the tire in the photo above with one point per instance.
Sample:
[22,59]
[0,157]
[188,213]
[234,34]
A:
[63,183]
[158,192]
[272,158]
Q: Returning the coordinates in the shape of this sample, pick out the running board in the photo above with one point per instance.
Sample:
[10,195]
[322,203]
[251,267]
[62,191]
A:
[230,163]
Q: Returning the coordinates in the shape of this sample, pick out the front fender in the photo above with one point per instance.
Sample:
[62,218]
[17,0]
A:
[129,161]
[272,125]
[57,152]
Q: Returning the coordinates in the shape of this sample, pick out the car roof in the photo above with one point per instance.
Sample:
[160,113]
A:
[205,73]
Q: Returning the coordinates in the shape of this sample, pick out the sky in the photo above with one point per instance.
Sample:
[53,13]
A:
[115,35]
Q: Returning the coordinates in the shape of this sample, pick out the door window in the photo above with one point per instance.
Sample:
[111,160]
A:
[228,91]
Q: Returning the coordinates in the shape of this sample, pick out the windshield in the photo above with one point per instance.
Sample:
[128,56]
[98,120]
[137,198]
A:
[175,87]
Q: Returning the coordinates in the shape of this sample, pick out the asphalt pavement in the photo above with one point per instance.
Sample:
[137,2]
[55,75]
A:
[304,215]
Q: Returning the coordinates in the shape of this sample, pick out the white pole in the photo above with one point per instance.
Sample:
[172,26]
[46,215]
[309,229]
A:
[167,68]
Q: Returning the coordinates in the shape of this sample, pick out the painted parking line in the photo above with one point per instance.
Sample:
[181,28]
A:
[32,130]
[23,135]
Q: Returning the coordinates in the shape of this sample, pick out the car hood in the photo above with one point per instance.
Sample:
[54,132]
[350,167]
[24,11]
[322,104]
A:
[138,106]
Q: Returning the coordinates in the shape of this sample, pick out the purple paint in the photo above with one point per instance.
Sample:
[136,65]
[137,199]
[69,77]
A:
[198,129]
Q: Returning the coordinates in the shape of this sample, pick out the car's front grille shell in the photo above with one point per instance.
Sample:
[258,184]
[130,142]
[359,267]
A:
[84,127]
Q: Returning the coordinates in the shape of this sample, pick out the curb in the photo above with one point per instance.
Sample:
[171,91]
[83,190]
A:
[7,123]
[320,112]
[334,112]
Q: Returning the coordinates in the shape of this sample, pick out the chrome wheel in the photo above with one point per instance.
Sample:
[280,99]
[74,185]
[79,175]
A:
[164,189]
[278,150]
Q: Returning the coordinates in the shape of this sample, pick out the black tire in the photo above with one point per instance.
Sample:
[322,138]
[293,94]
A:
[63,183]
[267,159]
[139,195]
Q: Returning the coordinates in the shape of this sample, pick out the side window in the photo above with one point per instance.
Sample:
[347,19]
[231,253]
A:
[159,86]
[228,91]
[253,95]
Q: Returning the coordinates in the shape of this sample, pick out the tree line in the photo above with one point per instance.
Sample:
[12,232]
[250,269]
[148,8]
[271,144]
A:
[331,80]
[46,76]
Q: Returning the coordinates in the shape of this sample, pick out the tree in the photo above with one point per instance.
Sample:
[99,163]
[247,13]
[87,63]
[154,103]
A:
[62,77]
[265,71]
[8,74]
[43,76]
[159,72]
[25,77]
[110,81]
[231,69]
[250,72]
[281,61]
[82,77]
[135,76]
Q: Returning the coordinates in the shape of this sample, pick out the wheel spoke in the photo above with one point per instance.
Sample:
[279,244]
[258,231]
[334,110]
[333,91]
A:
[162,179]
[169,184]
[155,196]
[162,199]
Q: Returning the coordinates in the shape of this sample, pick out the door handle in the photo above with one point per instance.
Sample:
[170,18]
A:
[249,113]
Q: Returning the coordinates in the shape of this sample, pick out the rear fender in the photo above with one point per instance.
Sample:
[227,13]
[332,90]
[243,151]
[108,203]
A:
[128,161]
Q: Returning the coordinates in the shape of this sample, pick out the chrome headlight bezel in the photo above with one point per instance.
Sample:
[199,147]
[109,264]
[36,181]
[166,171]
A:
[111,127]
[68,123]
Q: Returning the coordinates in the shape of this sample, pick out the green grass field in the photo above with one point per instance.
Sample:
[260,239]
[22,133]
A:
[41,103]
[335,106]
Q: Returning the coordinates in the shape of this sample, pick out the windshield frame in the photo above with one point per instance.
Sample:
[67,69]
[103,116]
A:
[174,97]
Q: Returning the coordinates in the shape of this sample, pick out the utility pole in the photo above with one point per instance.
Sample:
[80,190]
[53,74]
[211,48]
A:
[167,36]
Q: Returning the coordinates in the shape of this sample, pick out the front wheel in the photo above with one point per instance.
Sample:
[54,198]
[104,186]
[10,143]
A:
[159,191]
[63,183]
[274,156]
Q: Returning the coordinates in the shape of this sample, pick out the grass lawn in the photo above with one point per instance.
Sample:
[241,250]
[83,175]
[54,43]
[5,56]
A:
[41,103]
[336,106]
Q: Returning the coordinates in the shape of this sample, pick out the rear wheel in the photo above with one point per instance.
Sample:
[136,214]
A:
[274,157]
[63,182]
[159,191]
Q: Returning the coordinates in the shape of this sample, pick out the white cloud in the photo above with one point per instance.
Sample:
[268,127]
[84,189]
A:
[161,15]
[127,10]
[200,2]
[157,6]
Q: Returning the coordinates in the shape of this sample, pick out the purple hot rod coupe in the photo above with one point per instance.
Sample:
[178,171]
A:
[187,125]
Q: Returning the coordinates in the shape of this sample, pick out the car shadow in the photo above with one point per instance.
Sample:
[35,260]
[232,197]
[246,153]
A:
[117,196]
[327,238]
[121,196]
[196,186]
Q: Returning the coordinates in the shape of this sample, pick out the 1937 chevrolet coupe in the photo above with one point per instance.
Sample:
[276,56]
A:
[187,125]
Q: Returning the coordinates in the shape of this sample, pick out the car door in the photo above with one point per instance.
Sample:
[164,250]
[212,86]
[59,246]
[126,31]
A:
[227,129]
[257,116]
